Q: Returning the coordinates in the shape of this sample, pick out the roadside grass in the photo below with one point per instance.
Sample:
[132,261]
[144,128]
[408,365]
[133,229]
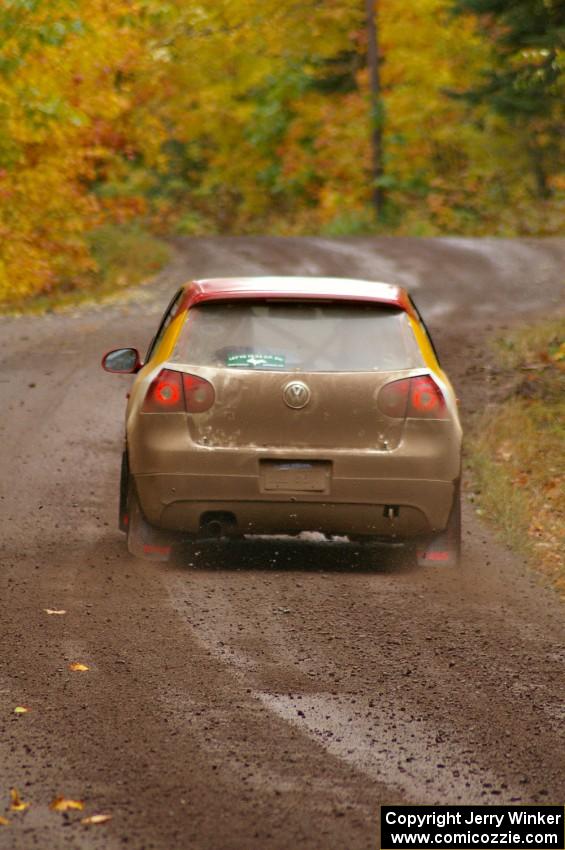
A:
[124,255]
[517,448]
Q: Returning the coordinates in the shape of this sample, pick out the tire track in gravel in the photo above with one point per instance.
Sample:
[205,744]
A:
[410,683]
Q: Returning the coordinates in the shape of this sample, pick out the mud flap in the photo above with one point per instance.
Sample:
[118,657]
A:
[144,540]
[444,549]
[438,552]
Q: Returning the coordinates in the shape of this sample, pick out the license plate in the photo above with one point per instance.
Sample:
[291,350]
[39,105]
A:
[296,476]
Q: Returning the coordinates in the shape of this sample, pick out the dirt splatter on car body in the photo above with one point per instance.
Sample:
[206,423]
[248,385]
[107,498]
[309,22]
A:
[272,405]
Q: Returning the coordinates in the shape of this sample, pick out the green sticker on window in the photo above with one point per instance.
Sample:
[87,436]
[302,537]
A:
[256,361]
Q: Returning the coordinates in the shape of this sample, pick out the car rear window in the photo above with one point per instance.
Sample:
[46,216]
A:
[298,336]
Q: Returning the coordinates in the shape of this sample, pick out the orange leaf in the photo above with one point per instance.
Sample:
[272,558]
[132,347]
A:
[4,821]
[16,802]
[61,804]
[77,667]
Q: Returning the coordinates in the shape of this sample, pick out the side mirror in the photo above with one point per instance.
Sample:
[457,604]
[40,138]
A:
[123,361]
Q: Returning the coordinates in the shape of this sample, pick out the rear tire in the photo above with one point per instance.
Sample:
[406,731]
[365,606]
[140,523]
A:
[143,539]
[123,518]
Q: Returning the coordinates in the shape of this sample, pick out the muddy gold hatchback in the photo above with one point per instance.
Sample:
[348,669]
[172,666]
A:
[276,405]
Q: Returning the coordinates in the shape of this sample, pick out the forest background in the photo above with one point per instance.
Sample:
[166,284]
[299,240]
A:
[125,118]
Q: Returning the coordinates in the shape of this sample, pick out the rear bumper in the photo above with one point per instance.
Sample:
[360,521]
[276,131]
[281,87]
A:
[179,480]
[352,505]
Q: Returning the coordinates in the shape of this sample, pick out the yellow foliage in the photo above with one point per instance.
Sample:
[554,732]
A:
[72,83]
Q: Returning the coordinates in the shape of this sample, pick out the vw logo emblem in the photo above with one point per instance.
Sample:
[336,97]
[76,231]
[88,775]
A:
[296,394]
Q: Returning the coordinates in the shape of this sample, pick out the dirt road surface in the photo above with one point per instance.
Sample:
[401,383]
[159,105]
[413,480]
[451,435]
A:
[270,694]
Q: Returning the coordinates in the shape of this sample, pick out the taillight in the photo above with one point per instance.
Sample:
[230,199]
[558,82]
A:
[165,394]
[426,399]
[393,398]
[177,392]
[199,394]
[414,398]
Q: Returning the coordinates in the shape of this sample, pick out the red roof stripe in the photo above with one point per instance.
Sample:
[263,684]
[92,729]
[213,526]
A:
[340,289]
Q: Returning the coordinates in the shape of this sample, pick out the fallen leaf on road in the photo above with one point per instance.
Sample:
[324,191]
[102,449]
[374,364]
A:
[77,667]
[4,821]
[61,804]
[59,613]
[95,819]
[21,709]
[16,802]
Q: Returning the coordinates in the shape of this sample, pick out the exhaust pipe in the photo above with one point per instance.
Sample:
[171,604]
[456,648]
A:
[214,528]
[218,524]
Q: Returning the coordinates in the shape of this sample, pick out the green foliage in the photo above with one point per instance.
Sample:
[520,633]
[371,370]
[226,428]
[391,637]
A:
[517,449]
[124,255]
[525,80]
[537,343]
[497,496]
[350,224]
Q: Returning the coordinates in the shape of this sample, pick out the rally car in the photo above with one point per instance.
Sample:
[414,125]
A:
[277,405]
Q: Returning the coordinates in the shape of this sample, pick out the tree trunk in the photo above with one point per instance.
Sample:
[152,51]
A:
[537,158]
[376,106]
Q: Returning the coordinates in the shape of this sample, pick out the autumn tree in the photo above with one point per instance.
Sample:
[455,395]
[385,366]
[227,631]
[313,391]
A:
[376,110]
[239,73]
[252,116]
[74,90]
[525,81]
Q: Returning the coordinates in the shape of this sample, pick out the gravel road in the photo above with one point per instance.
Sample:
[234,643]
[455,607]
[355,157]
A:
[270,694]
